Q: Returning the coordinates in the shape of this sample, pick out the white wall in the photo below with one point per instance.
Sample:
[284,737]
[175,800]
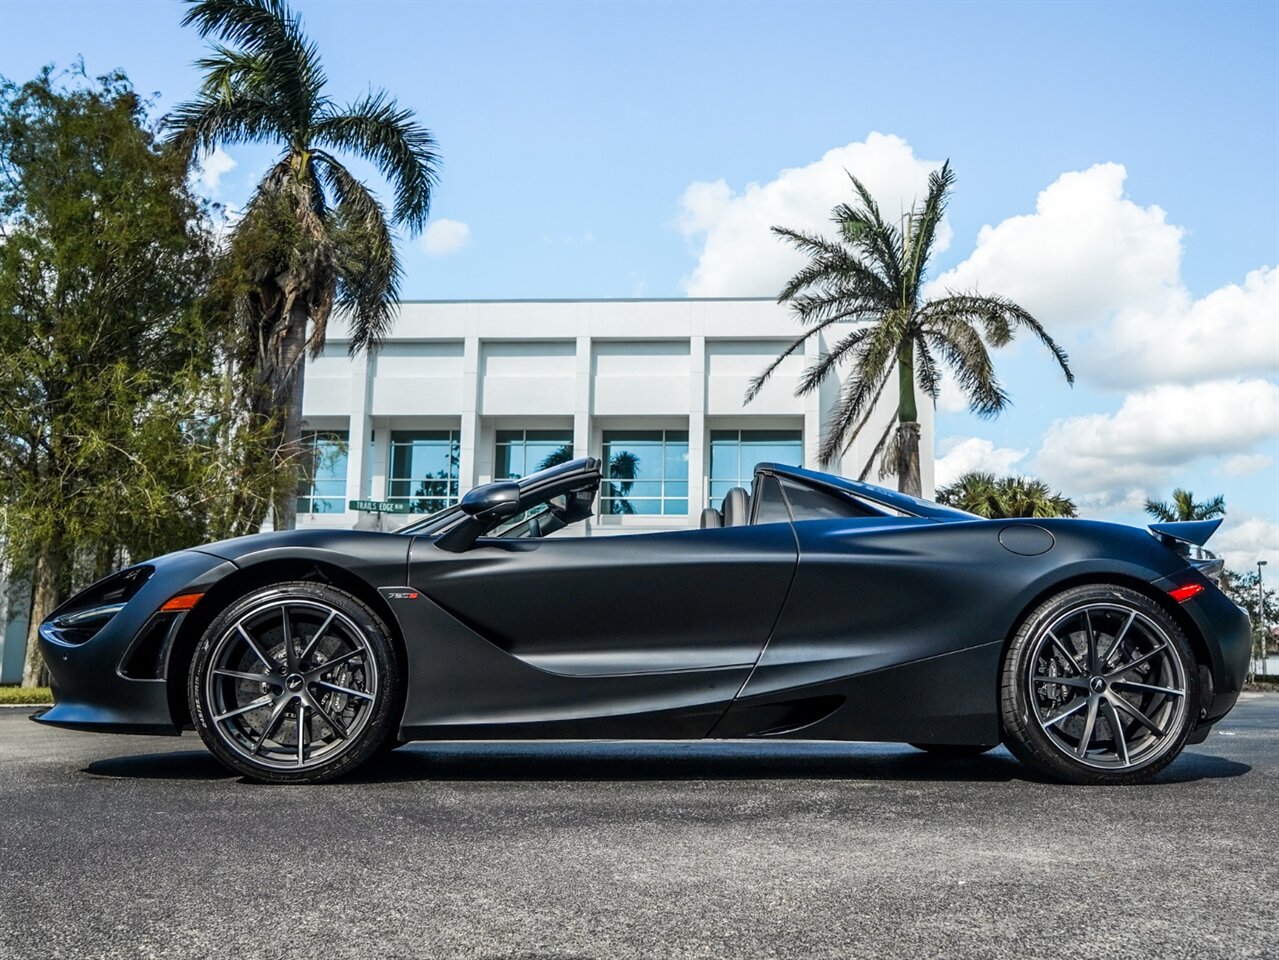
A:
[584,366]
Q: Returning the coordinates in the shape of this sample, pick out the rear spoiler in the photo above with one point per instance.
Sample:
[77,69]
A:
[1184,534]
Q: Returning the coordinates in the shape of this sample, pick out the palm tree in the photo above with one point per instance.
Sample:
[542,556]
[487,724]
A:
[1184,507]
[313,236]
[976,492]
[1028,497]
[872,274]
[998,498]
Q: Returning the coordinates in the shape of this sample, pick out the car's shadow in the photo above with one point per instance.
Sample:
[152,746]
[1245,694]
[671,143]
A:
[650,761]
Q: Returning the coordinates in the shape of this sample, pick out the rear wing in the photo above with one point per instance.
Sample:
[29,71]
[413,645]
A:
[1187,537]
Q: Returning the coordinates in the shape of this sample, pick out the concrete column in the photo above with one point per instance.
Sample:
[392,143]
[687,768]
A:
[380,469]
[358,429]
[470,430]
[697,465]
[582,400]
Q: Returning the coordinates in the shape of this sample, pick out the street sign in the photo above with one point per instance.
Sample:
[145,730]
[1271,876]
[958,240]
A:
[378,506]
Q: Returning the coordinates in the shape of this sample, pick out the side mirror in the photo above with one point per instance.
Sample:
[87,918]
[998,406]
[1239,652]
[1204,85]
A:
[493,501]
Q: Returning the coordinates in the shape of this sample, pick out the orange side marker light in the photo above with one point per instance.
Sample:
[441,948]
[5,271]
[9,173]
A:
[183,601]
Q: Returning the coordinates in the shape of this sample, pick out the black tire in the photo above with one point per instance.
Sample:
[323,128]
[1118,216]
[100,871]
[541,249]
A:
[953,751]
[344,678]
[1068,732]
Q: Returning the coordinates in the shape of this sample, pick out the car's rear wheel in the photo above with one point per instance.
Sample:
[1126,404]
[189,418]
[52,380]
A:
[294,683]
[1096,687]
[953,751]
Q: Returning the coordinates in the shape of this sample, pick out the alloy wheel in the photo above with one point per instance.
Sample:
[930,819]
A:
[291,684]
[1107,686]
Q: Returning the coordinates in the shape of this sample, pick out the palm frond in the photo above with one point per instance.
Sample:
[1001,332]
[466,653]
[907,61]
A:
[863,228]
[831,269]
[367,264]
[964,352]
[820,368]
[402,149]
[926,370]
[229,71]
[999,318]
[269,30]
[205,122]
[925,225]
[757,382]
[872,368]
[879,452]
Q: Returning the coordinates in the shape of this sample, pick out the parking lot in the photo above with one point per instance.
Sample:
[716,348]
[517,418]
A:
[123,847]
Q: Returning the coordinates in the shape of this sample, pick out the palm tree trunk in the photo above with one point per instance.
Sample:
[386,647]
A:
[908,480]
[45,590]
[908,459]
[293,368]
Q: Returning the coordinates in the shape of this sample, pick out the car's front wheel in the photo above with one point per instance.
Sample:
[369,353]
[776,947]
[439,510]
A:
[294,683]
[1096,687]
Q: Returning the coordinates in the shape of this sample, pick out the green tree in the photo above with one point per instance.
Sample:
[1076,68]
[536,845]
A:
[1185,507]
[872,275]
[997,498]
[1242,589]
[105,355]
[313,235]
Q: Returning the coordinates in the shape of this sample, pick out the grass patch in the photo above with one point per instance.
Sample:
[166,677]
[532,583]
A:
[16,694]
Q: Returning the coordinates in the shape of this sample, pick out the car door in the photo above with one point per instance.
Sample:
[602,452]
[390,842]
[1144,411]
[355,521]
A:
[667,625]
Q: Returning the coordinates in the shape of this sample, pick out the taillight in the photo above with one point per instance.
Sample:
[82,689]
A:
[1182,594]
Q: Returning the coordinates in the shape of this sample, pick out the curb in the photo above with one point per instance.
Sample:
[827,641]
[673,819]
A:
[19,706]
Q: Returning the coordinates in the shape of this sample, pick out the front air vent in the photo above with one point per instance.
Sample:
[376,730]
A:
[149,651]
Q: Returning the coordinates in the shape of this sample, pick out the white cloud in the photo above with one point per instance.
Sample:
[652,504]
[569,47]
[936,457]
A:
[212,168]
[1083,252]
[1105,460]
[1233,330]
[960,455]
[1242,541]
[738,254]
[1245,464]
[445,236]
[1089,259]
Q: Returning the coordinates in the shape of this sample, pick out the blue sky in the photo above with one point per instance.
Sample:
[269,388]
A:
[609,150]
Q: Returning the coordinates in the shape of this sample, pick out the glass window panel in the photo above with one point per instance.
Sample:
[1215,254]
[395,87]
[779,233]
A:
[719,490]
[424,469]
[521,452]
[646,472]
[770,507]
[809,504]
[322,484]
[734,454]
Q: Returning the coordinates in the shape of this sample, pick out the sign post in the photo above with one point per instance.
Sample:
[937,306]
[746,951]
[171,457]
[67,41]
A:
[378,507]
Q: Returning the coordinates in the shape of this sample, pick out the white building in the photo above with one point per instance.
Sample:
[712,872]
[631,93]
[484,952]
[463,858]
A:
[464,392]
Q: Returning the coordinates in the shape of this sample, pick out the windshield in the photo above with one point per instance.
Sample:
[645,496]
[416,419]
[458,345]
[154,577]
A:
[552,499]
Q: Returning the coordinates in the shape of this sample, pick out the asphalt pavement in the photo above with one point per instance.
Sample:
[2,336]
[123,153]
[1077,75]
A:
[141,847]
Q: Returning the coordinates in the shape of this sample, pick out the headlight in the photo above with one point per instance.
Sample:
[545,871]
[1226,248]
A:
[79,619]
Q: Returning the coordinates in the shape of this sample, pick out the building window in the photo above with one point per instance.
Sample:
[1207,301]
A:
[521,452]
[645,472]
[322,485]
[424,469]
[734,454]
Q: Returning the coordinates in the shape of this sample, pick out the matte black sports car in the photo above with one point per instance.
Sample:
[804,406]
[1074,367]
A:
[813,607]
